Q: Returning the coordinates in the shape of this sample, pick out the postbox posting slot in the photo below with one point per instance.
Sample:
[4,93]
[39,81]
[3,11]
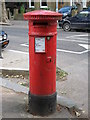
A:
[40,23]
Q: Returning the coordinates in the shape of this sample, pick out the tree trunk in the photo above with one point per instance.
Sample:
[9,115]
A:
[79,6]
[3,14]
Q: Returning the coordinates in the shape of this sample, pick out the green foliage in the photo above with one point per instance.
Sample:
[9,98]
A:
[60,74]
[22,9]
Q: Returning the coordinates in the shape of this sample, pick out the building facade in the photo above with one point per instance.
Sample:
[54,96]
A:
[55,4]
[42,4]
[16,9]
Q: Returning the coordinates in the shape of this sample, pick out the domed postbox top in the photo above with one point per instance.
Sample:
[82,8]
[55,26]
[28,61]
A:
[42,15]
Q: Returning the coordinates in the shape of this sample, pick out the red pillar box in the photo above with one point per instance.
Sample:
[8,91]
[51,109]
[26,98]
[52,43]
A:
[42,61]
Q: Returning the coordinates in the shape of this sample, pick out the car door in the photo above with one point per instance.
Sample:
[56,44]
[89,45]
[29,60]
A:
[88,21]
[79,21]
[74,22]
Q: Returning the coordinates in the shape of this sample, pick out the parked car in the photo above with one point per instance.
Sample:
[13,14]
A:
[86,9]
[66,11]
[3,39]
[79,21]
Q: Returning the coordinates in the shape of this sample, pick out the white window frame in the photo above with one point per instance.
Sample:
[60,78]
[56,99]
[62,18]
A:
[71,2]
[84,4]
[56,5]
[30,4]
[43,6]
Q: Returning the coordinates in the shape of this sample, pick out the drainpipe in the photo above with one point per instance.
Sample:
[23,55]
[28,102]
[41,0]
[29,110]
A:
[56,5]
[70,2]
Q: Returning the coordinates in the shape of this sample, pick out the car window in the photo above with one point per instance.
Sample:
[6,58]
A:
[89,16]
[64,10]
[82,14]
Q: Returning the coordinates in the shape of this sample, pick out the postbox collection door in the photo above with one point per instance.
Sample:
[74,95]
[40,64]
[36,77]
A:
[42,64]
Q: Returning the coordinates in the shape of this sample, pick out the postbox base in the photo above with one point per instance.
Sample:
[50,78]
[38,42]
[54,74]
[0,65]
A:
[42,105]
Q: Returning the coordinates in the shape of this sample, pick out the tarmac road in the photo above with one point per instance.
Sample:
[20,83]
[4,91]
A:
[18,35]
[72,46]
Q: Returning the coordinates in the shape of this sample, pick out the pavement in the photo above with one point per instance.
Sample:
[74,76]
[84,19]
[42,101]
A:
[17,108]
[71,57]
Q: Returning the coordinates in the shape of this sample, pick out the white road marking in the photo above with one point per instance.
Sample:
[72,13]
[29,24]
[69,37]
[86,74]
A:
[81,38]
[25,45]
[58,50]
[85,46]
[68,40]
[7,68]
[67,51]
[77,36]
[18,51]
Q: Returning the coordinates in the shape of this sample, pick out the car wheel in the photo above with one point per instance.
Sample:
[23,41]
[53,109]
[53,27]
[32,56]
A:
[4,46]
[60,26]
[66,27]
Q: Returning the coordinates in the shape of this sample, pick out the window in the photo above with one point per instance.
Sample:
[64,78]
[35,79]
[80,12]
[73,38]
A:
[61,1]
[82,14]
[89,16]
[84,4]
[65,9]
[31,3]
[43,3]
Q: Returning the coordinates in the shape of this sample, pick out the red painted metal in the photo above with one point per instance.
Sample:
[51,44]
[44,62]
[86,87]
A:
[42,65]
[42,15]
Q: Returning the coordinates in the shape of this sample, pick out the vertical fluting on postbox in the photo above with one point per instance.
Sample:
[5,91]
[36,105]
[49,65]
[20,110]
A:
[42,61]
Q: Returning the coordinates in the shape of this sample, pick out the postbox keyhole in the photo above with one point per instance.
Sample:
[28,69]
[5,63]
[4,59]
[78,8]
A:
[49,59]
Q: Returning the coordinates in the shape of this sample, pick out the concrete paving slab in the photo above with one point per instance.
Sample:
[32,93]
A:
[13,86]
[0,102]
[14,105]
[62,101]
[14,60]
